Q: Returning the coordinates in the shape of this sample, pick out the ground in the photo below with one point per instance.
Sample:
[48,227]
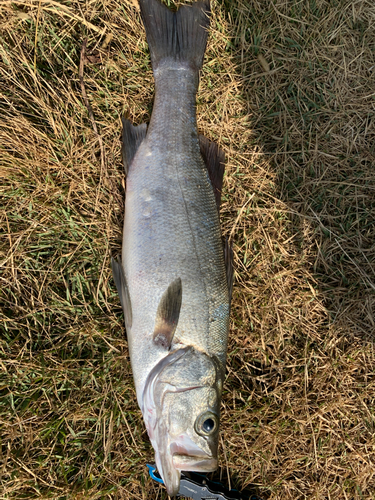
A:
[287,90]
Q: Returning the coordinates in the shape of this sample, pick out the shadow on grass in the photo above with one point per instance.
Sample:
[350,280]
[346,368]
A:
[313,120]
[301,351]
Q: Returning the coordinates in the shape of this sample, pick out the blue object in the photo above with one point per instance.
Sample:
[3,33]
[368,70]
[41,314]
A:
[151,470]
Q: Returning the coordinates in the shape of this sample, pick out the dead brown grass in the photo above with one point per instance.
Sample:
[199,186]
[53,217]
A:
[287,90]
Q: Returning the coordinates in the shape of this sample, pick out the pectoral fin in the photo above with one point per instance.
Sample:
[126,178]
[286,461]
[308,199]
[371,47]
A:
[168,314]
[123,291]
[132,136]
[214,159]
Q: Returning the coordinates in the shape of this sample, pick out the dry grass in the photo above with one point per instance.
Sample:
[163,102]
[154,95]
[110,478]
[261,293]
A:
[287,91]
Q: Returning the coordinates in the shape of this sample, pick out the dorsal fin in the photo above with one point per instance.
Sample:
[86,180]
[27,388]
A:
[167,314]
[123,291]
[132,136]
[228,258]
[214,159]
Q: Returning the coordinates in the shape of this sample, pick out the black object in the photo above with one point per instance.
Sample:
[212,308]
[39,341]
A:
[198,487]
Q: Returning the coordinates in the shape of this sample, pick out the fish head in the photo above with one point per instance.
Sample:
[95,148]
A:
[180,406]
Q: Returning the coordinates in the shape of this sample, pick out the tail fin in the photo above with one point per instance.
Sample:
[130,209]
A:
[180,36]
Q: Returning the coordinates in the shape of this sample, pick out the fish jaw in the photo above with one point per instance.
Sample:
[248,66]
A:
[171,475]
[189,458]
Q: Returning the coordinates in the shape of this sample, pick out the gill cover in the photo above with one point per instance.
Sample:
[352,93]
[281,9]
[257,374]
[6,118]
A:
[180,407]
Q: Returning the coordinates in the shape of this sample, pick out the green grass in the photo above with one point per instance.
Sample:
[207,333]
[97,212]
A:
[287,92]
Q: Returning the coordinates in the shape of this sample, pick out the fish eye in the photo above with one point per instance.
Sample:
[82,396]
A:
[207,424]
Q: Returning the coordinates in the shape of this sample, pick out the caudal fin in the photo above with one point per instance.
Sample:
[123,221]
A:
[180,36]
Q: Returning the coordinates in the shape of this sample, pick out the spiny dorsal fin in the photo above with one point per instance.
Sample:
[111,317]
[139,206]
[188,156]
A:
[132,136]
[228,258]
[168,314]
[214,159]
[123,291]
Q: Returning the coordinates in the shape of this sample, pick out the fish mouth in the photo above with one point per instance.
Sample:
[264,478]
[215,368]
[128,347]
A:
[187,455]
[194,463]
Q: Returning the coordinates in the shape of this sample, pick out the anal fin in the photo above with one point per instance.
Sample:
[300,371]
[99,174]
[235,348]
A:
[214,159]
[123,291]
[132,136]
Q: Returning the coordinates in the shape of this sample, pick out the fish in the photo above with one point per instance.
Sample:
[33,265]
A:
[175,275]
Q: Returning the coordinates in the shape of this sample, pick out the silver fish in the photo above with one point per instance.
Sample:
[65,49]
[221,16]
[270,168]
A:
[173,277]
